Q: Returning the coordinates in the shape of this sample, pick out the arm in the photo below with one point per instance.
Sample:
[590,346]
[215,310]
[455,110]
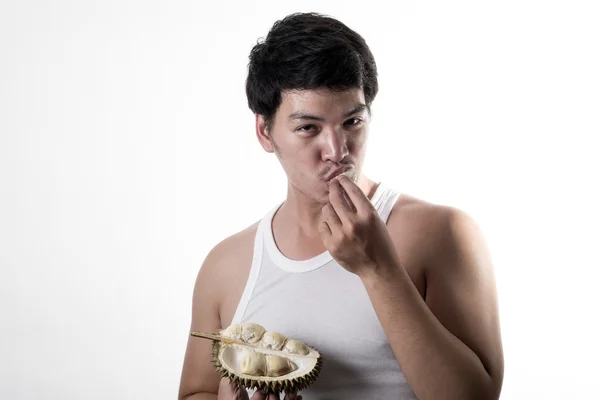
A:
[200,396]
[199,379]
[449,345]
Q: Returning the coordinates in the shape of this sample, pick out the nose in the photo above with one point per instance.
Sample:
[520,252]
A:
[335,148]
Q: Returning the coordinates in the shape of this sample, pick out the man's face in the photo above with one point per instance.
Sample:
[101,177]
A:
[319,134]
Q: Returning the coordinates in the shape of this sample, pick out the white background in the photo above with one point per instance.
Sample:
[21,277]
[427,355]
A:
[127,151]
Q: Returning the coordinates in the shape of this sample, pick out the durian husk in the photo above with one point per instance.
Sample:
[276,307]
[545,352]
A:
[285,383]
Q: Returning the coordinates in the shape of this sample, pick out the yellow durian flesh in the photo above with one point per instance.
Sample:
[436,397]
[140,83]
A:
[251,332]
[258,364]
[279,366]
[252,363]
[296,347]
[273,340]
[233,331]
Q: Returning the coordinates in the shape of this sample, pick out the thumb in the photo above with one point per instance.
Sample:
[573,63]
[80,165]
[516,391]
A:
[239,392]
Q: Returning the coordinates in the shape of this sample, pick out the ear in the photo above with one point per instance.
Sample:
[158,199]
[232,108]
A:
[263,135]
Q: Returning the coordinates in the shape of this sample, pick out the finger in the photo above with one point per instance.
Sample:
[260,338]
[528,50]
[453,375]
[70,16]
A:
[226,389]
[331,217]
[340,202]
[292,396]
[259,395]
[239,392]
[325,230]
[345,195]
[356,195]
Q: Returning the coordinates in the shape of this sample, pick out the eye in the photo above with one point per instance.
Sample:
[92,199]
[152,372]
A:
[306,128]
[353,122]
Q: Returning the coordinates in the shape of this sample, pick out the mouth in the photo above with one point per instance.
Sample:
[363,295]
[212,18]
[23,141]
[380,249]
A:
[336,171]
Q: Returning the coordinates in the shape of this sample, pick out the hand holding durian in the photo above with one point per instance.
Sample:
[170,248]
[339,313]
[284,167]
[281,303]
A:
[352,230]
[267,361]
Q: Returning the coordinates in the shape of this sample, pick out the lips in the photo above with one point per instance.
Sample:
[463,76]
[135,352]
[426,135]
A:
[335,172]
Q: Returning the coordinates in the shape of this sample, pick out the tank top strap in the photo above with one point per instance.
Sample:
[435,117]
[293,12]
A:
[255,267]
[386,198]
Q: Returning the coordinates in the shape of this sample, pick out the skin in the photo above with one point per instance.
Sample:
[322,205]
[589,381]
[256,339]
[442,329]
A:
[428,271]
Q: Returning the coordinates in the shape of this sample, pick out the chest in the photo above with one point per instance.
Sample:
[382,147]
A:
[351,293]
[328,308]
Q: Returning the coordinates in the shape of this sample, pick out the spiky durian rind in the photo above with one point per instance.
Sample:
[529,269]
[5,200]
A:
[267,386]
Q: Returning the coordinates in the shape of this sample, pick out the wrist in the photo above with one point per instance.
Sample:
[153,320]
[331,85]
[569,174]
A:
[391,271]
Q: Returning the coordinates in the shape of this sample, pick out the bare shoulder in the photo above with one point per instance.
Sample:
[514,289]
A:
[417,229]
[223,259]
[416,215]
[433,230]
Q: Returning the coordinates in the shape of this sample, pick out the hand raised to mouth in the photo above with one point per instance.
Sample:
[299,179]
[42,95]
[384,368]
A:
[352,230]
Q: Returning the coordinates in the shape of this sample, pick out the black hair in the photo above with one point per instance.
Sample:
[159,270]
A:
[307,51]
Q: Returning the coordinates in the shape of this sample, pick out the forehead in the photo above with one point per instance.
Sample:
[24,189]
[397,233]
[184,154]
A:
[320,101]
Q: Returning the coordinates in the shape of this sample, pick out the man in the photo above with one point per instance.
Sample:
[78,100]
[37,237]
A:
[397,294]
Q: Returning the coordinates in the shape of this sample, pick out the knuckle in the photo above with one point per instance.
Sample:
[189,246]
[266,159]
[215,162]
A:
[369,216]
[353,229]
[335,247]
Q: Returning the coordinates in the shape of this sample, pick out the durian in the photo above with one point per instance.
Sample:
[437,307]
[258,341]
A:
[273,340]
[267,361]
[251,332]
[252,363]
[233,331]
[296,347]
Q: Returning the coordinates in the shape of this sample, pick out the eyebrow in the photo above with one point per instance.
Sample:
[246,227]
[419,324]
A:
[302,115]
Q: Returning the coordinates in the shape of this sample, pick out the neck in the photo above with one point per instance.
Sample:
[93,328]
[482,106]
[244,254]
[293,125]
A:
[302,213]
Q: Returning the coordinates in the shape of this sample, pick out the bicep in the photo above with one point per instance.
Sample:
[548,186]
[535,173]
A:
[198,373]
[461,292]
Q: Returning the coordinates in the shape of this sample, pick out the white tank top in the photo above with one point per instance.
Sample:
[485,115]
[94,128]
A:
[320,303]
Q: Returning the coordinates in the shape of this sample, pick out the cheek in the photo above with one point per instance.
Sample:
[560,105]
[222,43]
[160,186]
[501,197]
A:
[307,155]
[356,145]
[301,161]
